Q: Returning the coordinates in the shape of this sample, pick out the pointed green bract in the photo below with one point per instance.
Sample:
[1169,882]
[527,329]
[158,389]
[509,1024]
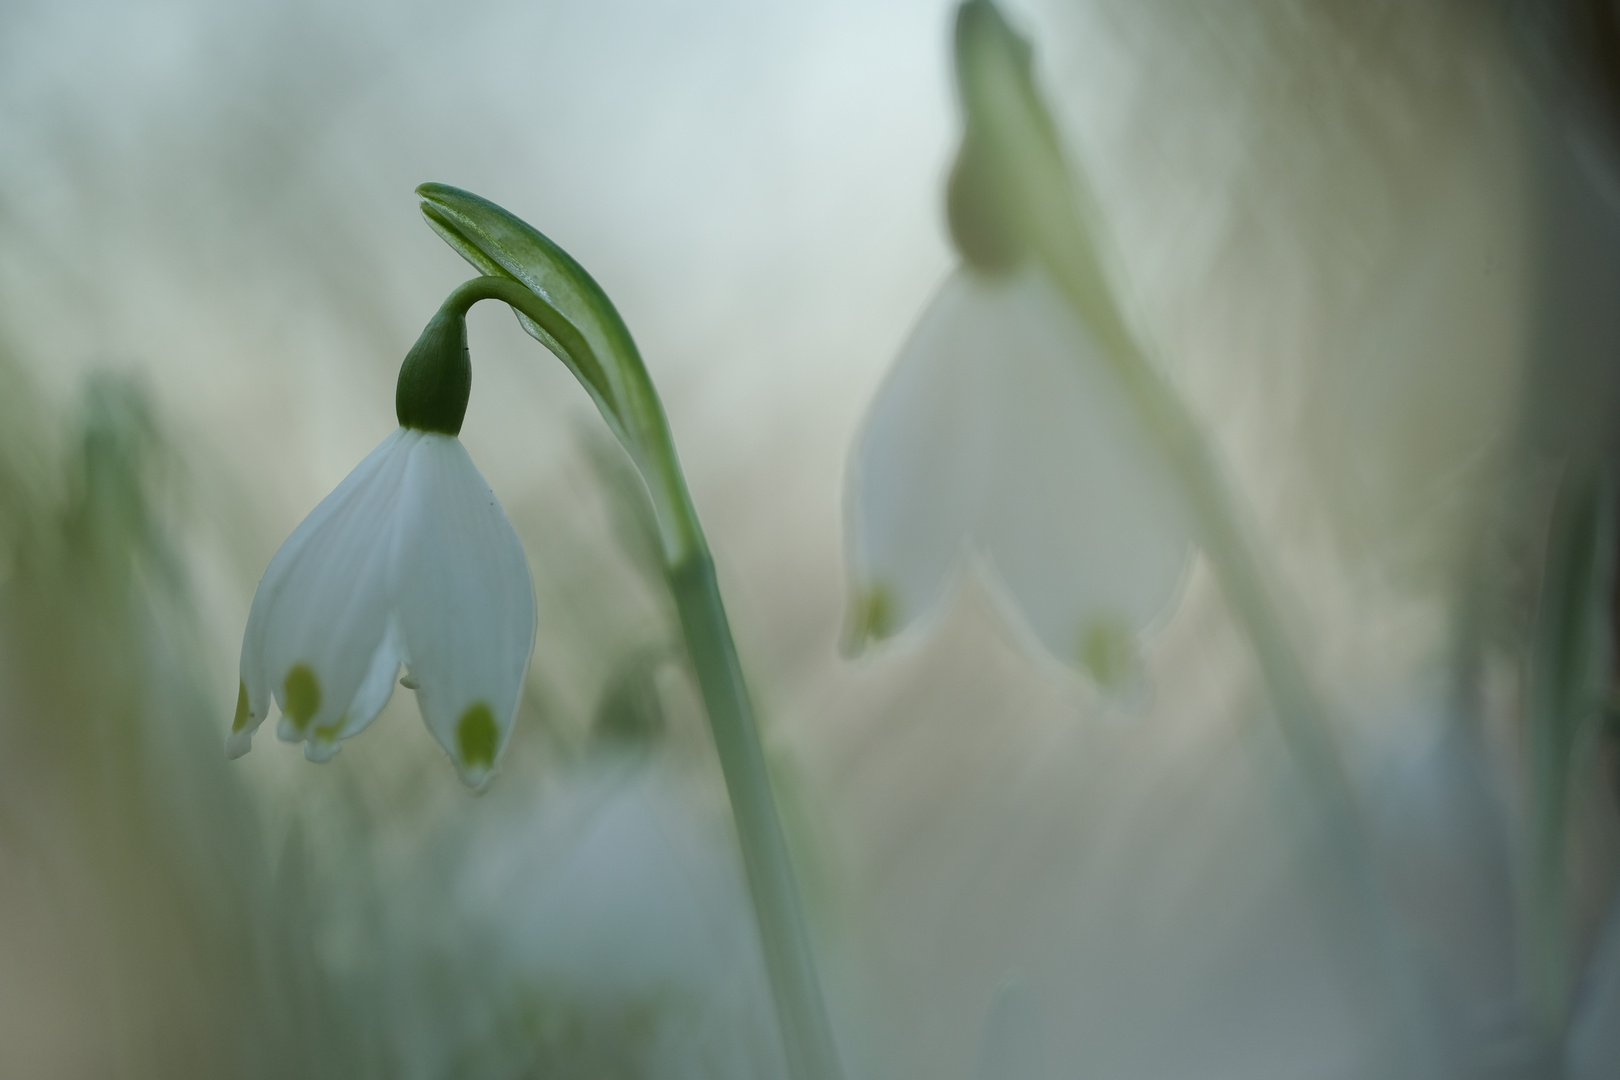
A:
[564,309]
[499,243]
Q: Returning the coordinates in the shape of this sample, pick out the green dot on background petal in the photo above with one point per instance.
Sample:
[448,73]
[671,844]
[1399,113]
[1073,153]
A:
[874,615]
[241,707]
[476,736]
[328,732]
[301,695]
[1108,653]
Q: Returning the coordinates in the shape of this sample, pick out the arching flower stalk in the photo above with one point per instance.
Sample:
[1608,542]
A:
[412,561]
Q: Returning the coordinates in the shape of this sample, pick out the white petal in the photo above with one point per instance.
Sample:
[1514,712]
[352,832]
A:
[465,604]
[319,625]
[1004,426]
[1081,516]
[918,468]
[378,685]
[374,691]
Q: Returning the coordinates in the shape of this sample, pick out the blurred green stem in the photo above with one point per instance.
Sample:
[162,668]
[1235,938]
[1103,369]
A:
[801,1011]
[1569,669]
[1012,180]
[806,1031]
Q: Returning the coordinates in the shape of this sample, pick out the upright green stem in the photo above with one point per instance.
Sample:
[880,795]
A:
[639,421]
[806,1030]
[1569,666]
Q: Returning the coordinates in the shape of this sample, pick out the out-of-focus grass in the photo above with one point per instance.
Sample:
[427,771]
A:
[146,930]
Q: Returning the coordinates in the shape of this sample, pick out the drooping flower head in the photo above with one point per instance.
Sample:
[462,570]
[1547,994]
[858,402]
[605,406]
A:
[409,562]
[1001,436]
[1006,434]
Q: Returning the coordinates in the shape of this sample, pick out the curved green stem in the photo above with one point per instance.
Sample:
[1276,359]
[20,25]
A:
[638,419]
[636,415]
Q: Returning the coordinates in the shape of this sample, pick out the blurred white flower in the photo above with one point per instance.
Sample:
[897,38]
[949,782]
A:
[1004,431]
[593,925]
[411,560]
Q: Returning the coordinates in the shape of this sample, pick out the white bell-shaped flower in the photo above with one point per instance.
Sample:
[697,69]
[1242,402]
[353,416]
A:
[1004,432]
[412,561]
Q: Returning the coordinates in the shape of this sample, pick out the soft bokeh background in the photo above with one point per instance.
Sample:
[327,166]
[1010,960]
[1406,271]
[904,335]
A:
[1344,229]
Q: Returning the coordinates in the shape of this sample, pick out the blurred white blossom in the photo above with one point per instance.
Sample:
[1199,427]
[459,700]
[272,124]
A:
[1003,432]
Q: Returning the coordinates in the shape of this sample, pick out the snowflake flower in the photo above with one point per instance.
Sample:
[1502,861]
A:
[1002,432]
[410,561]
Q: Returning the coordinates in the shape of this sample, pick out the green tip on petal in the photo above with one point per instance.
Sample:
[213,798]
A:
[328,732]
[872,616]
[241,719]
[301,696]
[1108,654]
[476,737]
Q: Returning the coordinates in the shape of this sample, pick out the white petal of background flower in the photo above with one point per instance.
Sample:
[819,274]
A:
[1003,426]
[920,464]
[323,603]
[464,599]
